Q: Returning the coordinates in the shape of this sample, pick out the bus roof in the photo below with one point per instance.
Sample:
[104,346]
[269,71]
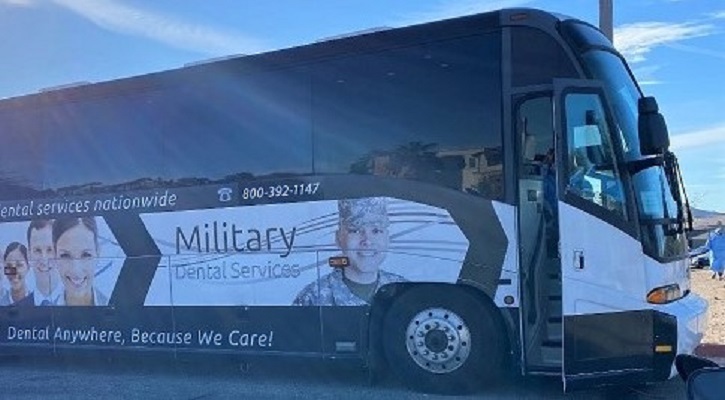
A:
[338,46]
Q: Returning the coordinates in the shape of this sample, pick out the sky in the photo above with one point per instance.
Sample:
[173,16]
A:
[676,49]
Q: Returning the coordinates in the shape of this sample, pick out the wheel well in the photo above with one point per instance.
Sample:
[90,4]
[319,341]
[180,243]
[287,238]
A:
[387,294]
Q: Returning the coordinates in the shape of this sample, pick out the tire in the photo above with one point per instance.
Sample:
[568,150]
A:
[432,316]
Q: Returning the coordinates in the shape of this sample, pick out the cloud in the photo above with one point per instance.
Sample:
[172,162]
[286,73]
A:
[699,138]
[636,40]
[457,8]
[646,75]
[122,18]
[718,14]
[697,50]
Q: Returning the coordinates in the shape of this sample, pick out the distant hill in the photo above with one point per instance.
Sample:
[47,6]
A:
[704,221]
[697,213]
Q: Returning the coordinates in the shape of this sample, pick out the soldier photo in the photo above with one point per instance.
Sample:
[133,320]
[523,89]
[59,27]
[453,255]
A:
[363,237]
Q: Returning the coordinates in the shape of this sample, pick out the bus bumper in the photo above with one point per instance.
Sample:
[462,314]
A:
[691,314]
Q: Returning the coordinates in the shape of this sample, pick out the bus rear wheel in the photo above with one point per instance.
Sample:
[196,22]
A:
[442,340]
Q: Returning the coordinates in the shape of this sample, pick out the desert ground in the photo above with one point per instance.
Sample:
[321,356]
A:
[714,291]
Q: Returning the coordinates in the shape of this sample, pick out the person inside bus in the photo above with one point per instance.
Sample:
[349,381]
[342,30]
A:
[40,255]
[16,271]
[76,250]
[550,203]
[580,168]
[363,237]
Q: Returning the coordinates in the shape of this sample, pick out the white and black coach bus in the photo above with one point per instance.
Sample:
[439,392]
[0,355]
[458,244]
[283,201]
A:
[444,198]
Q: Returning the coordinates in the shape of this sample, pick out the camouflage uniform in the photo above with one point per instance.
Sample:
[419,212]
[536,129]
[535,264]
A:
[331,290]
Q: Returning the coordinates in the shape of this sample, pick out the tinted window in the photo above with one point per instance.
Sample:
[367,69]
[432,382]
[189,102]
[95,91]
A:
[429,113]
[592,169]
[21,153]
[103,144]
[230,126]
[623,94]
[537,58]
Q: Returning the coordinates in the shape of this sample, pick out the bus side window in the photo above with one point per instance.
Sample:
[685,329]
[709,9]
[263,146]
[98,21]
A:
[592,170]
[429,113]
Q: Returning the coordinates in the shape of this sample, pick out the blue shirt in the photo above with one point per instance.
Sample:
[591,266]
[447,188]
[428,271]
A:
[331,290]
[716,245]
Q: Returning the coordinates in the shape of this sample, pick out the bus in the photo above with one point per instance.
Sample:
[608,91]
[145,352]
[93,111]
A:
[444,201]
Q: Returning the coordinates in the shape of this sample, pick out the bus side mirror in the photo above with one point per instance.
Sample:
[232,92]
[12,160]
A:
[653,136]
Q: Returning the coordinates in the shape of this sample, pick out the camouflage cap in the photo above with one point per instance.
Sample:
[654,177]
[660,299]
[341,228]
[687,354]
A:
[365,211]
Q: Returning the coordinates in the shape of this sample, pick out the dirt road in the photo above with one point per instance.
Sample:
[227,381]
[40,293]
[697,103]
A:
[714,291]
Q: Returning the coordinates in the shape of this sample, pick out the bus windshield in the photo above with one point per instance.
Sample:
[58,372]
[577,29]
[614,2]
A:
[658,208]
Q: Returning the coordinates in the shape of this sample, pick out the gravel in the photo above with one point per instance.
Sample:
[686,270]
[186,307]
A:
[713,291]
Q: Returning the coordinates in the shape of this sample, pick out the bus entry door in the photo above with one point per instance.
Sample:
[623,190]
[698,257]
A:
[605,337]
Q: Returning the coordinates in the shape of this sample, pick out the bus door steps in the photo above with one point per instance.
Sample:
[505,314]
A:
[554,329]
[551,352]
[544,370]
[555,306]
[554,286]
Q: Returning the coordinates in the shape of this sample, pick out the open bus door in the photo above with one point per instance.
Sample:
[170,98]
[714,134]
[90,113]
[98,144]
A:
[607,336]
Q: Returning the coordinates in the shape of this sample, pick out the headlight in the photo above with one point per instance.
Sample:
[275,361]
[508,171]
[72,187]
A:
[664,294]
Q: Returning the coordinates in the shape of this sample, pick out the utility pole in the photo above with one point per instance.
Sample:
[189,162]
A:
[606,18]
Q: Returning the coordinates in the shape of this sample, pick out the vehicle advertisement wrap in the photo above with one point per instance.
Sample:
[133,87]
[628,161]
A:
[279,254]
[227,267]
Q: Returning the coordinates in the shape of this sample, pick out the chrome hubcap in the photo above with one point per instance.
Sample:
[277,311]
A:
[438,340]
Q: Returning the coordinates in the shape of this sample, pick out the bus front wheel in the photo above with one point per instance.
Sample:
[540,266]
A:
[442,340]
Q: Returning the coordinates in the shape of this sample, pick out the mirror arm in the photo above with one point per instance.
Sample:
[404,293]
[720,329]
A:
[636,166]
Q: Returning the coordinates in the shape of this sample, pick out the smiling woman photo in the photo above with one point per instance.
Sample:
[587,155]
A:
[76,251]
[16,270]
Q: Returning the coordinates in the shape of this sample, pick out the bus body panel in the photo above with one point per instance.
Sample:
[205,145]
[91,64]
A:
[232,279]
[508,291]
[591,256]
[691,314]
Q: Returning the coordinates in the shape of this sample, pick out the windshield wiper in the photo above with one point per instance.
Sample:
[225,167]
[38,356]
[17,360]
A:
[677,189]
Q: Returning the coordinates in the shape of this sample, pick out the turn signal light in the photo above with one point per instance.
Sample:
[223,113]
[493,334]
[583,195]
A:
[663,348]
[664,294]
